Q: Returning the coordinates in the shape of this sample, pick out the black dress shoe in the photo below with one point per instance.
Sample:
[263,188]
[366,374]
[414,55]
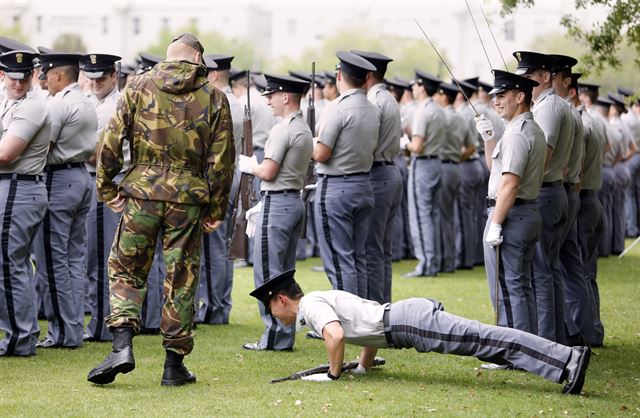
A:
[576,369]
[258,347]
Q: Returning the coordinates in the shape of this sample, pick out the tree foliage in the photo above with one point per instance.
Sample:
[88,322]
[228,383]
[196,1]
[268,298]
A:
[14,32]
[69,42]
[605,39]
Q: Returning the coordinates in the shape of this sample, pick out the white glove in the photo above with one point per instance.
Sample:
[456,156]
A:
[494,235]
[404,141]
[358,370]
[247,164]
[318,377]
[484,128]
[251,216]
[311,186]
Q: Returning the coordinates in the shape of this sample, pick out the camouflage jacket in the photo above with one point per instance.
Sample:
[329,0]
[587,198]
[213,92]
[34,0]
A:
[180,133]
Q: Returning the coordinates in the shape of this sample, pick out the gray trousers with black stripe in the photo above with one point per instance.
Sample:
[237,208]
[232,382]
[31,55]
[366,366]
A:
[468,213]
[424,188]
[424,325]
[516,301]
[60,251]
[343,205]
[22,208]
[275,242]
[448,196]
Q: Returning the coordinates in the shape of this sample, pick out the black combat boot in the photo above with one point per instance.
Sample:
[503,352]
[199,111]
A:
[120,360]
[175,373]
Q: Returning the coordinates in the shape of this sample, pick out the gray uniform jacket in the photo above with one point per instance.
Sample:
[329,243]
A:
[594,147]
[455,132]
[429,122]
[390,124]
[577,148]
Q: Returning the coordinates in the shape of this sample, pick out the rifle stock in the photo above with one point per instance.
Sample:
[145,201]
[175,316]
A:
[324,368]
[246,195]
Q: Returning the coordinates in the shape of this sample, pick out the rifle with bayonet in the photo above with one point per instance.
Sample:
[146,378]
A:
[246,194]
[310,177]
[324,368]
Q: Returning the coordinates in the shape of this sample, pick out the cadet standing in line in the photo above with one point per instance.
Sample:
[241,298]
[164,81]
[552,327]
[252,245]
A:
[471,177]
[213,299]
[385,179]
[417,323]
[344,151]
[425,176]
[590,225]
[60,246]
[101,221]
[578,311]
[330,90]
[24,133]
[516,162]
[177,186]
[450,153]
[277,220]
[553,115]
[632,203]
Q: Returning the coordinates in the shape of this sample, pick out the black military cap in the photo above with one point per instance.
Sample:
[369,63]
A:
[585,87]
[330,77]
[395,84]
[574,80]
[604,101]
[8,44]
[210,63]
[558,63]
[45,50]
[618,101]
[127,69]
[483,86]
[260,82]
[426,79]
[509,81]
[148,61]
[286,84]
[49,61]
[448,89]
[626,92]
[354,65]
[235,75]
[17,65]
[528,62]
[96,65]
[378,60]
[223,61]
[319,81]
[268,289]
[467,88]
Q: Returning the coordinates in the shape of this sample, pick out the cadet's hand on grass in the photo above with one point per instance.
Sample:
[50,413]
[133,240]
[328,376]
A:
[117,203]
[318,377]
[494,235]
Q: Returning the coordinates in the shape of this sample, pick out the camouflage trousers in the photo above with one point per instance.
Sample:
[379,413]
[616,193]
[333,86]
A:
[131,257]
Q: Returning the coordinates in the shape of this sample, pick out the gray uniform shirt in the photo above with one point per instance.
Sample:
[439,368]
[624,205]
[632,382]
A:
[350,129]
[104,111]
[521,151]
[26,119]
[602,126]
[390,124]
[554,117]
[237,118]
[455,131]
[471,135]
[73,126]
[290,144]
[361,319]
[624,133]
[632,120]
[594,147]
[577,148]
[429,122]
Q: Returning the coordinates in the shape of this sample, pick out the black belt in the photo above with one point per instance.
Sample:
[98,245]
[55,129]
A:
[426,157]
[551,183]
[23,177]
[569,187]
[470,159]
[588,192]
[256,148]
[93,174]
[382,163]
[286,191]
[329,176]
[63,166]
[448,162]
[492,202]
[387,328]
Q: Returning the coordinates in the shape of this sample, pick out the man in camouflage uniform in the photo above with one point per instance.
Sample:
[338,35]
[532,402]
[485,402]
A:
[178,185]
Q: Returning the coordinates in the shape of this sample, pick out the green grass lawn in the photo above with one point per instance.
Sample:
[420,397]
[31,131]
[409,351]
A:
[234,382]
